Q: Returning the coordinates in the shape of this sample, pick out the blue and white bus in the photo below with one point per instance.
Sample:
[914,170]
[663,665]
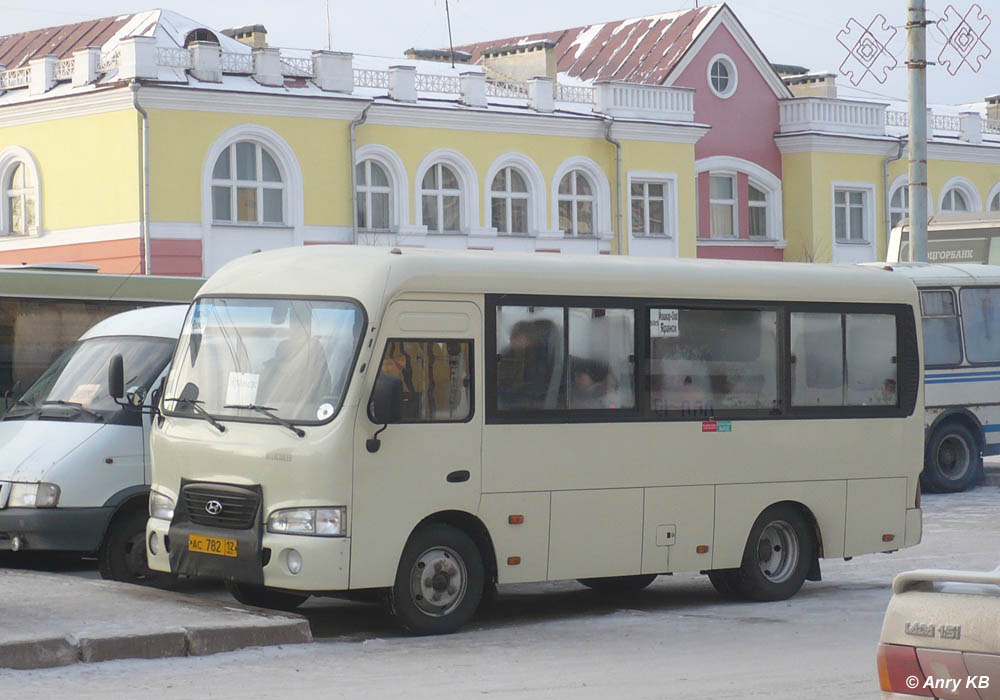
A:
[960,308]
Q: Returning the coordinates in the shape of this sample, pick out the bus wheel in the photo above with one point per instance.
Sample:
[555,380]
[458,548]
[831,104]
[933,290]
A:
[263,597]
[618,585]
[776,560]
[952,459]
[123,555]
[439,582]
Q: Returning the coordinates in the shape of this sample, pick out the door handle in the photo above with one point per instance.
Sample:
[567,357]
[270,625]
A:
[458,477]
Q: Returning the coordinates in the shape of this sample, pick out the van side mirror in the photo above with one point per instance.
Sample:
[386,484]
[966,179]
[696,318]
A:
[387,407]
[116,377]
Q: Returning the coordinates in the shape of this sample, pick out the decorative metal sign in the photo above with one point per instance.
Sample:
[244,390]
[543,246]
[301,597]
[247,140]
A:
[867,49]
[963,35]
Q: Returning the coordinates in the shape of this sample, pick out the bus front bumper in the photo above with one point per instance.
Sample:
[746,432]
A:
[325,561]
[53,529]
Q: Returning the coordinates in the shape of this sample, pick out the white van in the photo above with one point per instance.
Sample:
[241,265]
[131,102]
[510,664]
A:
[75,473]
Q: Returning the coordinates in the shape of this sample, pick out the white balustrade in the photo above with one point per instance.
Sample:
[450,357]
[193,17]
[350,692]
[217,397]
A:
[506,88]
[430,82]
[634,101]
[575,93]
[367,78]
[109,60]
[15,78]
[173,58]
[296,67]
[237,62]
[65,69]
[832,115]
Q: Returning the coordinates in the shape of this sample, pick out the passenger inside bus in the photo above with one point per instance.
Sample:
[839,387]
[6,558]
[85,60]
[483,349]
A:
[297,378]
[530,367]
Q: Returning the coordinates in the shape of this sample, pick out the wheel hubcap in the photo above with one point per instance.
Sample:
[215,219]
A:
[778,551]
[954,457]
[438,581]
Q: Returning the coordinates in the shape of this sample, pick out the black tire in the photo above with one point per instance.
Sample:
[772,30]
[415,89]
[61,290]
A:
[263,597]
[122,556]
[952,461]
[779,551]
[618,585]
[439,581]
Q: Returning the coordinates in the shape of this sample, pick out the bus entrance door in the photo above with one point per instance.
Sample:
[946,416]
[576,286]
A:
[430,461]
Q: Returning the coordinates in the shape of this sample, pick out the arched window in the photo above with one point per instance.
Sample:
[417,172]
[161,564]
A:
[995,202]
[757,211]
[247,186]
[899,205]
[373,197]
[22,197]
[441,199]
[576,204]
[509,201]
[954,200]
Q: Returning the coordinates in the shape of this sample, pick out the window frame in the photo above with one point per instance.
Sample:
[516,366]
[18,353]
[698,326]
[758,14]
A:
[574,198]
[948,201]
[668,208]
[439,193]
[730,88]
[866,214]
[903,211]
[958,317]
[732,203]
[507,196]
[369,189]
[765,205]
[908,360]
[967,362]
[10,159]
[472,379]
[234,184]
[993,201]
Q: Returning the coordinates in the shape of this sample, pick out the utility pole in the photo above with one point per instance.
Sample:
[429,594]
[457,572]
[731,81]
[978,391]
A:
[451,44]
[916,50]
[329,29]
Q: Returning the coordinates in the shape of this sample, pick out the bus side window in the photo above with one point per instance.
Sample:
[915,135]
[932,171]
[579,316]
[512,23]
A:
[940,328]
[530,359]
[436,377]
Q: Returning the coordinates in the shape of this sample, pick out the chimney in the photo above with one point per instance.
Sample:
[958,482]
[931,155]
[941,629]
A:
[812,84]
[520,62]
[253,35]
[440,55]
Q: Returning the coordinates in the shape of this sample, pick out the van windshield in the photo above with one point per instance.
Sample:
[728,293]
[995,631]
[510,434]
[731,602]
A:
[290,357]
[75,386]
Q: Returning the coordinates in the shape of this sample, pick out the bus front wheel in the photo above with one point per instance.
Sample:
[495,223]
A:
[952,459]
[776,560]
[439,582]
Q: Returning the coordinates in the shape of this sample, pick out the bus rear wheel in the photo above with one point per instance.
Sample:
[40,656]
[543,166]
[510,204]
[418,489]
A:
[776,560]
[952,459]
[439,581]
[618,585]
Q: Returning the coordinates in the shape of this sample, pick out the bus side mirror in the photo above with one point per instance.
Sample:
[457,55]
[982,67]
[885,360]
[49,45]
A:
[116,377]
[387,400]
[387,407]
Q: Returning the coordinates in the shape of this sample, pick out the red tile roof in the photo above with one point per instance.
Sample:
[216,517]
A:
[641,50]
[17,49]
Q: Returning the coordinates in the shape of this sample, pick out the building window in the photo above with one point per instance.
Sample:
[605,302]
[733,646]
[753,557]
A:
[22,198]
[722,205]
[757,211]
[509,202]
[247,186]
[899,205]
[849,215]
[954,200]
[649,208]
[373,196]
[576,204]
[441,199]
[995,202]
[722,76]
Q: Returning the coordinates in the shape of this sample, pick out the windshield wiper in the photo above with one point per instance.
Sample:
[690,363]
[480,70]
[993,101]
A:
[193,403]
[266,410]
[74,404]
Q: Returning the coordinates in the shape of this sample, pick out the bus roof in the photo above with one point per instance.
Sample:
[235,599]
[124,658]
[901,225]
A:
[931,274]
[368,273]
[155,322]
[67,284]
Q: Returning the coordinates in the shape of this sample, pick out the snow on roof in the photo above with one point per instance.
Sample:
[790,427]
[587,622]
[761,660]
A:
[637,50]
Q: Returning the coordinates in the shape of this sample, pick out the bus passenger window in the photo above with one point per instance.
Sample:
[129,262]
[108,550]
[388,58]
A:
[871,360]
[704,361]
[981,321]
[436,376]
[940,328]
[601,358]
[530,360]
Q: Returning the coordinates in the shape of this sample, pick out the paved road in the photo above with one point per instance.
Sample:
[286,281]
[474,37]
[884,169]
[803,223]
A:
[676,640]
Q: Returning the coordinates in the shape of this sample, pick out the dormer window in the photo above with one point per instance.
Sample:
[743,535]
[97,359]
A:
[200,34]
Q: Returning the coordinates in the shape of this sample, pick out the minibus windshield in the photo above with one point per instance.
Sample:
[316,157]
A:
[243,359]
[75,386]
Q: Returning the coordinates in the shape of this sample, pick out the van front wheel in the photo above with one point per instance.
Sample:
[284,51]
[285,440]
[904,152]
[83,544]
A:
[439,581]
[123,555]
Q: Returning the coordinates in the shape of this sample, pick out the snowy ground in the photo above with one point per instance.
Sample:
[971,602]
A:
[675,640]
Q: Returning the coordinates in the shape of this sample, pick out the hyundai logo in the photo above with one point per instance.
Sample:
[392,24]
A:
[213,507]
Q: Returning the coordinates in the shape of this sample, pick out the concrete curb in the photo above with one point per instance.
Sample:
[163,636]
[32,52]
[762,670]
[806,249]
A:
[188,641]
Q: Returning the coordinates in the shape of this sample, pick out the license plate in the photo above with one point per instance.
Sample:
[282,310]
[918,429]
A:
[223,546]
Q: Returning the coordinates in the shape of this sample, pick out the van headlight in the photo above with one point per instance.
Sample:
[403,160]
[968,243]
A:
[326,522]
[36,495]
[161,506]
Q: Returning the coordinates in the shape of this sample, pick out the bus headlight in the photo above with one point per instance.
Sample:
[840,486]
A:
[37,495]
[326,522]
[161,506]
